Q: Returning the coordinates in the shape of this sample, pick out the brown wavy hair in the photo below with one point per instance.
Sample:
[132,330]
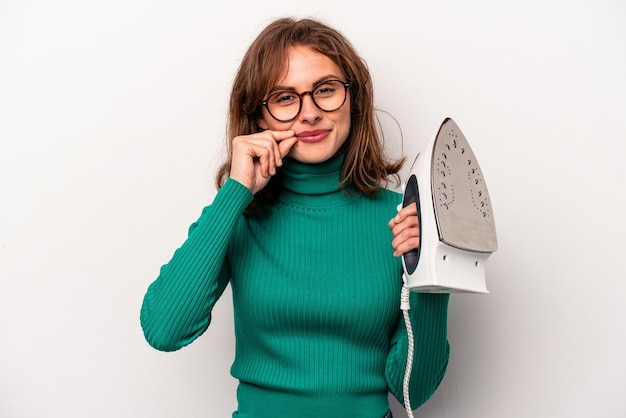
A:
[365,166]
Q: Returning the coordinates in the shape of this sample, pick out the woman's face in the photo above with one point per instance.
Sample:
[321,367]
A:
[320,134]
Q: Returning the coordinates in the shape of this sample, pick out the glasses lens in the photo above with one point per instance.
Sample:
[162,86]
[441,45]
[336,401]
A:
[284,105]
[328,96]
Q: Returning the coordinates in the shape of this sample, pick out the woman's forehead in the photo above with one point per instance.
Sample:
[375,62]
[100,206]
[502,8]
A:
[304,66]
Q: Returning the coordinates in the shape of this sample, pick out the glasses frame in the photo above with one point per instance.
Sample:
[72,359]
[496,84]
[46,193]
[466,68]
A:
[310,93]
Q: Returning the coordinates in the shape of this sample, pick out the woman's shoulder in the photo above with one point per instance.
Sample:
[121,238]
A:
[385,198]
[388,193]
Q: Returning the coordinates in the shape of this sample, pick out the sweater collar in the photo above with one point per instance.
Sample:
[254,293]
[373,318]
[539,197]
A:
[312,184]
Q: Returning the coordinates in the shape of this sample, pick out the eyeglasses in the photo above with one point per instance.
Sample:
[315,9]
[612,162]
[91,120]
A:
[285,105]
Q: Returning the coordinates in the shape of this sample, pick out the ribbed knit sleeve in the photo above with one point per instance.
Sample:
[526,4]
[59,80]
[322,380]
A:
[177,306]
[429,316]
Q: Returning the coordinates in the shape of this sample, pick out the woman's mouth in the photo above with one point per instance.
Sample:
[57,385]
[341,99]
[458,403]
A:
[311,137]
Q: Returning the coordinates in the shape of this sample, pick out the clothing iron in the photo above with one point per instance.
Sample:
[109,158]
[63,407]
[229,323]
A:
[457,228]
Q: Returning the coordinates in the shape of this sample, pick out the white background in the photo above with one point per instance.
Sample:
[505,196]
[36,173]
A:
[112,125]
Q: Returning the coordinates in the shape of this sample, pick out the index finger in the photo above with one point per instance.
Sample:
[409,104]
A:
[282,135]
[290,139]
[405,212]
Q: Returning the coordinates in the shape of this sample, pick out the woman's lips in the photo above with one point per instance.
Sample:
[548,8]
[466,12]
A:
[311,137]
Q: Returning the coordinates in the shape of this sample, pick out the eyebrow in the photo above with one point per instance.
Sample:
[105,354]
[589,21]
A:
[315,83]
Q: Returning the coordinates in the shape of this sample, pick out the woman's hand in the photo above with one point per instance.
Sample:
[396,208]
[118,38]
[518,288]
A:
[256,156]
[406,230]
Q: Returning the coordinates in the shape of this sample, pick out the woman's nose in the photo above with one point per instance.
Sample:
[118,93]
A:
[310,112]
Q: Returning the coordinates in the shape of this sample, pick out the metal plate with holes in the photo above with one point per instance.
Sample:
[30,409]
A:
[462,205]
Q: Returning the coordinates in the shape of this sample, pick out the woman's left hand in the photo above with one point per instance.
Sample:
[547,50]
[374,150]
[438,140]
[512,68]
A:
[406,230]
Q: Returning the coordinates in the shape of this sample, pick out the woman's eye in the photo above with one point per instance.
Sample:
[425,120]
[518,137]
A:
[325,90]
[284,98]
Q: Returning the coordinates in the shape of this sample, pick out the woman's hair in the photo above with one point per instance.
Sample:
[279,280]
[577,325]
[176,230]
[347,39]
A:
[365,166]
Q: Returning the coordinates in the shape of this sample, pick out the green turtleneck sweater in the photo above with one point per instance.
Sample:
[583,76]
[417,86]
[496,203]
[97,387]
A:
[316,294]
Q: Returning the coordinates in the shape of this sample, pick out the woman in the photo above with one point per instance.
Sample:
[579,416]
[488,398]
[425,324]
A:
[299,228]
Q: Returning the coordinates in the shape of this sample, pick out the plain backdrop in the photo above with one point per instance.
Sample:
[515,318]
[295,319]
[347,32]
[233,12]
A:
[112,120]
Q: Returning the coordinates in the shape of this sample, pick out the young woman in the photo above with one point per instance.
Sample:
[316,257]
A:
[300,230]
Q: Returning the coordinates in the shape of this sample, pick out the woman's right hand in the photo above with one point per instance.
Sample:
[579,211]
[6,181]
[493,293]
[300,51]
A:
[256,156]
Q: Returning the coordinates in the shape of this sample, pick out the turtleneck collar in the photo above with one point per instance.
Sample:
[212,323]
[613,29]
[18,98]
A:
[312,184]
